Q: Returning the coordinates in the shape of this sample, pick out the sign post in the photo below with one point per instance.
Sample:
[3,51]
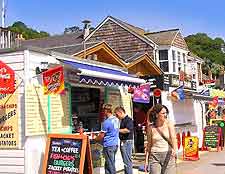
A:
[67,154]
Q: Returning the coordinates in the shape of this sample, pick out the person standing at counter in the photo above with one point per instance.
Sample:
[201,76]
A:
[110,136]
[126,134]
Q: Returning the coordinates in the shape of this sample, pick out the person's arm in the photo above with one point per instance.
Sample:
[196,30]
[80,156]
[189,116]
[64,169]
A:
[100,136]
[124,131]
[102,133]
[148,145]
[129,127]
[173,137]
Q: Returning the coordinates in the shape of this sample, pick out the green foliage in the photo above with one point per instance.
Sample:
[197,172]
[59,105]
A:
[28,33]
[209,49]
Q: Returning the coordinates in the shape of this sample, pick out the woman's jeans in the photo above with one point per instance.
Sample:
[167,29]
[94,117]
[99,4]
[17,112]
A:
[162,163]
[126,152]
[110,153]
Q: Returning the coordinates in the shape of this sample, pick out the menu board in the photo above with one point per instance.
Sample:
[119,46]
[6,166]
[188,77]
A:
[59,120]
[67,154]
[113,97]
[212,136]
[127,103]
[221,124]
[9,121]
[36,111]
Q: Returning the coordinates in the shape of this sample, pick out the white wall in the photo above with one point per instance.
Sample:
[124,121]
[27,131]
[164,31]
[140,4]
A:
[183,112]
[12,161]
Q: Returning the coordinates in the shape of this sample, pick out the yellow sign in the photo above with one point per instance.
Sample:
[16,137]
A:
[9,121]
[60,113]
[217,92]
[127,103]
[36,111]
[191,148]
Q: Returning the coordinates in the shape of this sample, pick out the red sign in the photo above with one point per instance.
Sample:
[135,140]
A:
[53,80]
[7,79]
[157,92]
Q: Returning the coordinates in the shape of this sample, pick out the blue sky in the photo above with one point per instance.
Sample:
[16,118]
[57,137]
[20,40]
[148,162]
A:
[191,16]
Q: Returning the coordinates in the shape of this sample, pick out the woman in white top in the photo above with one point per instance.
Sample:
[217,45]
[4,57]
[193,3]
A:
[161,147]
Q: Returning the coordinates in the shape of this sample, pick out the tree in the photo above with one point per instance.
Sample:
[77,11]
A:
[209,49]
[73,29]
[28,33]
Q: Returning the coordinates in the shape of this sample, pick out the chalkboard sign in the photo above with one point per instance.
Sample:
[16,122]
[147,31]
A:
[67,154]
[212,136]
[221,124]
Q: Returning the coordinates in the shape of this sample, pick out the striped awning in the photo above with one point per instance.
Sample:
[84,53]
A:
[107,76]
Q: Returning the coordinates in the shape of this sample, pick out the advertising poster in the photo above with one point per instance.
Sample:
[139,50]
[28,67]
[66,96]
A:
[53,80]
[9,121]
[7,79]
[191,148]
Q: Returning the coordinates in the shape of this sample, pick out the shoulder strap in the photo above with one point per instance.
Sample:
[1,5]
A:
[164,137]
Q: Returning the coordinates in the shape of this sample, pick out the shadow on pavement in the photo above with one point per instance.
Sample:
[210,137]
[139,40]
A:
[218,164]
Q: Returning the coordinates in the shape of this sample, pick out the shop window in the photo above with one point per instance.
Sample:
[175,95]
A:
[86,107]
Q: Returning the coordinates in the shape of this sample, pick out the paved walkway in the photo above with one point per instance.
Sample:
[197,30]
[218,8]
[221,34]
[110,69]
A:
[209,163]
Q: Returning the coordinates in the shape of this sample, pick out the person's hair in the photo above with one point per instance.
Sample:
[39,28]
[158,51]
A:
[108,108]
[120,108]
[153,111]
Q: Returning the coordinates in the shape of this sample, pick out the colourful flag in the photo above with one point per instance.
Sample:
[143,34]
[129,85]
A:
[142,93]
[214,103]
[178,93]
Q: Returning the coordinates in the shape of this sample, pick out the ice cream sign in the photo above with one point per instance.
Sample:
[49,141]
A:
[7,79]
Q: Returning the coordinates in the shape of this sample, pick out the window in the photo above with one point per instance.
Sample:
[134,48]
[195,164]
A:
[178,56]
[184,58]
[163,60]
[174,60]
[164,66]
[163,54]
[173,55]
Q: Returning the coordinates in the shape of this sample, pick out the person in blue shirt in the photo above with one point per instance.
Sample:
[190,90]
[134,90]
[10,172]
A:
[126,135]
[110,136]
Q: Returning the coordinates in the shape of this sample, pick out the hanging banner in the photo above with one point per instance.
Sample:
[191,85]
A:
[9,121]
[7,79]
[142,93]
[191,148]
[53,80]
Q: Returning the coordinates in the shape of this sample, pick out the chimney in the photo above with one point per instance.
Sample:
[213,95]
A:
[87,25]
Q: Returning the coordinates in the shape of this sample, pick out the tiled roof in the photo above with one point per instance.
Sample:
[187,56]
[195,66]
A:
[194,56]
[134,57]
[138,30]
[72,49]
[165,37]
[53,41]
